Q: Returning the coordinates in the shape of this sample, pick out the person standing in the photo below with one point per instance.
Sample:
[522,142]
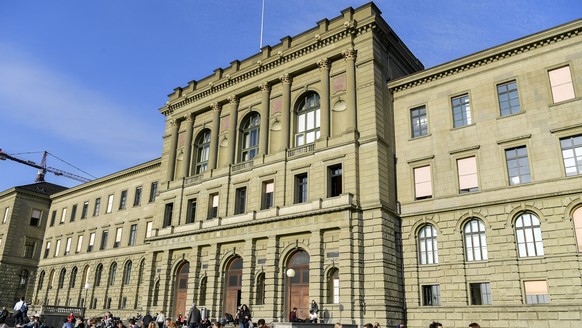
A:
[18,307]
[244,316]
[194,317]
[314,307]
[161,319]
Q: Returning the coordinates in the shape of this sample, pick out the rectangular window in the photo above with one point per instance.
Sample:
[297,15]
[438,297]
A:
[118,234]
[35,218]
[53,218]
[47,249]
[467,170]
[572,154]
[91,242]
[213,206]
[335,180]
[168,211]
[508,98]
[79,244]
[536,292]
[123,200]
[240,200]
[97,208]
[63,216]
[132,235]
[153,191]
[6,212]
[268,195]
[461,111]
[191,211]
[422,182]
[517,165]
[104,237]
[57,248]
[73,213]
[68,246]
[431,295]
[419,123]
[137,198]
[300,188]
[109,204]
[480,293]
[561,84]
[85,210]
[29,246]
[149,226]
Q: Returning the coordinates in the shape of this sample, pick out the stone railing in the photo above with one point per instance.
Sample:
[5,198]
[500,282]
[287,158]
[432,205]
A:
[301,150]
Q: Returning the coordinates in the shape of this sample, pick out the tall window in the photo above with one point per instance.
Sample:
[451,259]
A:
[149,226]
[118,234]
[536,292]
[53,218]
[529,235]
[202,146]
[109,204]
[240,200]
[461,111]
[333,286]
[6,212]
[47,249]
[467,170]
[250,137]
[29,246]
[517,165]
[335,180]
[132,235]
[427,245]
[123,200]
[480,293]
[260,297]
[419,122]
[35,217]
[153,191]
[127,273]
[422,183]
[104,237]
[73,280]
[156,293]
[268,195]
[431,295]
[41,280]
[73,213]
[97,208]
[112,274]
[62,275]
[475,241]
[137,198]
[577,216]
[203,290]
[98,274]
[213,206]
[301,188]
[561,83]
[85,210]
[68,246]
[91,242]
[308,121]
[63,216]
[572,154]
[191,211]
[79,243]
[168,212]
[57,248]
[508,98]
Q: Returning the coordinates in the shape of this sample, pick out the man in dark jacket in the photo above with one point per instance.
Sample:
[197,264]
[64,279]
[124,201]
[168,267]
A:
[194,317]
[147,319]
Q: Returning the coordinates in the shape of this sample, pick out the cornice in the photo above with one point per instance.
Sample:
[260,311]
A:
[508,50]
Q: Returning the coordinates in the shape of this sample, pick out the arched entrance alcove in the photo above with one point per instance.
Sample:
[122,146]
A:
[181,289]
[298,285]
[233,286]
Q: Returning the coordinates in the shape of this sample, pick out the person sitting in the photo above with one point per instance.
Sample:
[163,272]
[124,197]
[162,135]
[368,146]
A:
[293,315]
[312,316]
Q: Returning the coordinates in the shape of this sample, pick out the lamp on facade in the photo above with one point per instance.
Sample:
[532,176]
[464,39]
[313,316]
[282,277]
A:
[290,274]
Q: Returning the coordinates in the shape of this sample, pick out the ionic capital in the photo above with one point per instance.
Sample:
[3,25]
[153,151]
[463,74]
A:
[233,100]
[350,53]
[265,87]
[215,106]
[323,63]
[285,78]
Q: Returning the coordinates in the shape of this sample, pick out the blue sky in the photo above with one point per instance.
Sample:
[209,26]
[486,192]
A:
[84,79]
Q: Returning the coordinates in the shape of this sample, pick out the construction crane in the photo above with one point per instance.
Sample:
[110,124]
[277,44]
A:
[42,168]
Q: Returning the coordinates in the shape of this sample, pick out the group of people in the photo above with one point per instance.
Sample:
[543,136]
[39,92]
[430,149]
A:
[313,314]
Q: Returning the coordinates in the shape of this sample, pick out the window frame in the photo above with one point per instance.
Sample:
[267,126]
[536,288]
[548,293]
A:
[554,85]
[427,255]
[301,187]
[38,220]
[153,192]
[480,293]
[123,200]
[132,235]
[109,204]
[267,197]
[418,122]
[97,207]
[511,108]
[302,125]
[463,108]
[168,214]
[533,290]
[420,182]
[469,240]
[202,148]
[335,180]
[536,233]
[465,177]
[431,295]
[137,196]
[250,136]
[240,200]
[514,162]
[213,204]
[191,207]
[574,145]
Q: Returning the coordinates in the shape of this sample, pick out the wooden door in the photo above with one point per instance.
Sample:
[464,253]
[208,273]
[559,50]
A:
[181,289]
[233,286]
[298,285]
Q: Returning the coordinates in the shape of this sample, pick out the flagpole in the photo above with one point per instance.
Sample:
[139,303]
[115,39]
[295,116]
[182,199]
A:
[262,24]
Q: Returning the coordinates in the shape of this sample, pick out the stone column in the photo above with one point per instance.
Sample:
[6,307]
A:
[233,103]
[264,130]
[350,58]
[188,146]
[324,130]
[286,110]
[172,151]
[216,108]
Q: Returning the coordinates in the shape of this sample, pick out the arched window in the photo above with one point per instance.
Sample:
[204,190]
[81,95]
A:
[23,279]
[98,274]
[156,293]
[112,274]
[529,235]
[333,287]
[250,137]
[202,146]
[203,287]
[73,277]
[475,241]
[41,280]
[578,227]
[308,122]
[62,278]
[51,279]
[260,289]
[427,245]
[127,273]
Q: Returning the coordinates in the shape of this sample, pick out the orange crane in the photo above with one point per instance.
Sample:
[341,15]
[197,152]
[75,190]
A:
[42,168]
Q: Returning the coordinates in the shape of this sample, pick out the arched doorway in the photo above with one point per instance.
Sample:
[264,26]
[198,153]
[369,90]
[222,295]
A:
[298,285]
[181,290]
[232,297]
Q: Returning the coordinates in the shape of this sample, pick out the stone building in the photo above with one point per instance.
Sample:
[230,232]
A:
[333,167]
[24,215]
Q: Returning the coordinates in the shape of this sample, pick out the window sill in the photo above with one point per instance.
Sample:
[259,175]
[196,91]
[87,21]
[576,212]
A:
[564,102]
[462,127]
[420,137]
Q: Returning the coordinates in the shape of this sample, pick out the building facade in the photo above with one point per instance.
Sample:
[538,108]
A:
[333,167]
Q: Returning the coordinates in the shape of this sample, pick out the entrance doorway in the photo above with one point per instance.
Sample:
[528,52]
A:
[233,286]
[298,285]
[181,289]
